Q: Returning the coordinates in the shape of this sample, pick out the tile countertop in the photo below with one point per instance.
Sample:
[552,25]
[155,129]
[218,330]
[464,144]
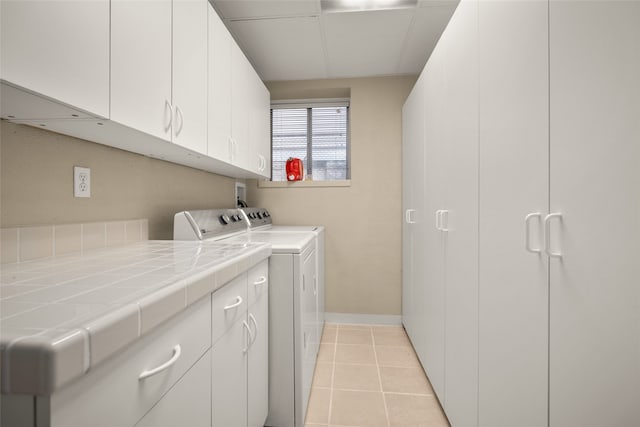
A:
[61,316]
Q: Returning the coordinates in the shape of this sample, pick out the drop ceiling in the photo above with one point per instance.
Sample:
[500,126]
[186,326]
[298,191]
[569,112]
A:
[296,40]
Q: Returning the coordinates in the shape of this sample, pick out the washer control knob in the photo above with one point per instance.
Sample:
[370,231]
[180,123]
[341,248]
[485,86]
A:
[266,214]
[224,219]
[259,215]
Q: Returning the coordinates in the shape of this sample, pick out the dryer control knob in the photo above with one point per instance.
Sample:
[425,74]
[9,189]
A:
[224,219]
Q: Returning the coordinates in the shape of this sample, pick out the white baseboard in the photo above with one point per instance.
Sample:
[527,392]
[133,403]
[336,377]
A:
[363,319]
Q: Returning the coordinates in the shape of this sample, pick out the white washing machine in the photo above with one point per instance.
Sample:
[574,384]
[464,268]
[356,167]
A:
[260,219]
[293,304]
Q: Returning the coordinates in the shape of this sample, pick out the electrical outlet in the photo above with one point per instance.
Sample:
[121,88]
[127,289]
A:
[81,182]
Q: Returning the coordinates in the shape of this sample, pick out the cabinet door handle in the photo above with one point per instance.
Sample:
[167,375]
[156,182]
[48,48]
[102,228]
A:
[304,285]
[438,220]
[255,325]
[315,286]
[235,304]
[527,231]
[168,115]
[407,216]
[444,214]
[177,351]
[261,281]
[179,120]
[547,234]
[246,325]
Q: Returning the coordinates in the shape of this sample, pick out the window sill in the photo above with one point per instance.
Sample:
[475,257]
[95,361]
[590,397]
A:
[262,183]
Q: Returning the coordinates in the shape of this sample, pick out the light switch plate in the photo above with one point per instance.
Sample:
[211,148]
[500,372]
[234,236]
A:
[81,182]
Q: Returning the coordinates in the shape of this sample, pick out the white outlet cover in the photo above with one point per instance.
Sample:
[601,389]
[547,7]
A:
[81,182]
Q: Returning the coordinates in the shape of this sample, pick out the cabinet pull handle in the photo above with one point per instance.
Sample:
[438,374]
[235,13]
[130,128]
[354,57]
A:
[235,304]
[261,281]
[315,285]
[179,120]
[255,324]
[168,115]
[303,283]
[177,351]
[527,232]
[547,234]
[444,214]
[407,216]
[246,325]
[439,220]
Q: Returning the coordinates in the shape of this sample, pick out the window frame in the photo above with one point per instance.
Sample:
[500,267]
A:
[309,104]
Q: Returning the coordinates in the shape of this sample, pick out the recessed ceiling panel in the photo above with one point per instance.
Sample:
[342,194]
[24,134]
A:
[363,44]
[283,49]
[425,33]
[242,9]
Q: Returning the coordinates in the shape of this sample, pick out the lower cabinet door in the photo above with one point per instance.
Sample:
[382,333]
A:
[188,403]
[258,391]
[229,378]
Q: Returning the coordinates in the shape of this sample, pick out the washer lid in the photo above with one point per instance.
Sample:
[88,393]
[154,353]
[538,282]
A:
[282,243]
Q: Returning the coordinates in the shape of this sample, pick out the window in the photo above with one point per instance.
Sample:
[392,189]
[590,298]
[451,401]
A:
[317,134]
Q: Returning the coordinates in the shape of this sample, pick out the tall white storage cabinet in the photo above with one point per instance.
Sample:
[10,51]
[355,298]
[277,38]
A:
[551,231]
[595,185]
[513,185]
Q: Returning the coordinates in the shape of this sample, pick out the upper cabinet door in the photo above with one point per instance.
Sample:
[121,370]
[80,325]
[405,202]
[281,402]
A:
[189,93]
[595,152]
[219,78]
[260,126]
[141,66]
[240,106]
[41,50]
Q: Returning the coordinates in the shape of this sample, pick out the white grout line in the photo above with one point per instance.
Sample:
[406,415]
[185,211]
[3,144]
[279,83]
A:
[384,400]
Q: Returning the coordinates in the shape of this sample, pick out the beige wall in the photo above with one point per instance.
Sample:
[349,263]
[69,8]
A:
[363,221]
[37,183]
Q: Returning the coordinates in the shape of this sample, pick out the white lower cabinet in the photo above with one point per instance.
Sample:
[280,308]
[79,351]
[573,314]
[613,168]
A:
[114,394]
[229,377]
[188,403]
[240,364]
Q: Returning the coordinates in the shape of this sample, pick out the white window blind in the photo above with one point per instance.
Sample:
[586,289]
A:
[317,134]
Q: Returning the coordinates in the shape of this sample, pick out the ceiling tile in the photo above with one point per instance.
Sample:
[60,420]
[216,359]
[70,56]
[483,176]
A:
[423,36]
[283,49]
[365,43]
[242,9]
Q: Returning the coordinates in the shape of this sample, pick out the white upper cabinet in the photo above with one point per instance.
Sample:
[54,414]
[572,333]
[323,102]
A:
[158,69]
[59,49]
[141,66]
[219,73]
[189,94]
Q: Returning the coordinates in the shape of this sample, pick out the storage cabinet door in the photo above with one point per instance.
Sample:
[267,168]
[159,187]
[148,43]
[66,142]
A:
[258,374]
[413,226]
[58,49]
[595,153]
[514,182]
[219,88]
[260,126]
[229,377]
[461,216]
[189,92]
[188,403]
[141,65]
[430,316]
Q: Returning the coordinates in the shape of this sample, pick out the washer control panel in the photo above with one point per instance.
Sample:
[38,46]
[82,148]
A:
[257,217]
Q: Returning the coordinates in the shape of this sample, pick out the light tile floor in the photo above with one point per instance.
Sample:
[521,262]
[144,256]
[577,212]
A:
[369,376]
